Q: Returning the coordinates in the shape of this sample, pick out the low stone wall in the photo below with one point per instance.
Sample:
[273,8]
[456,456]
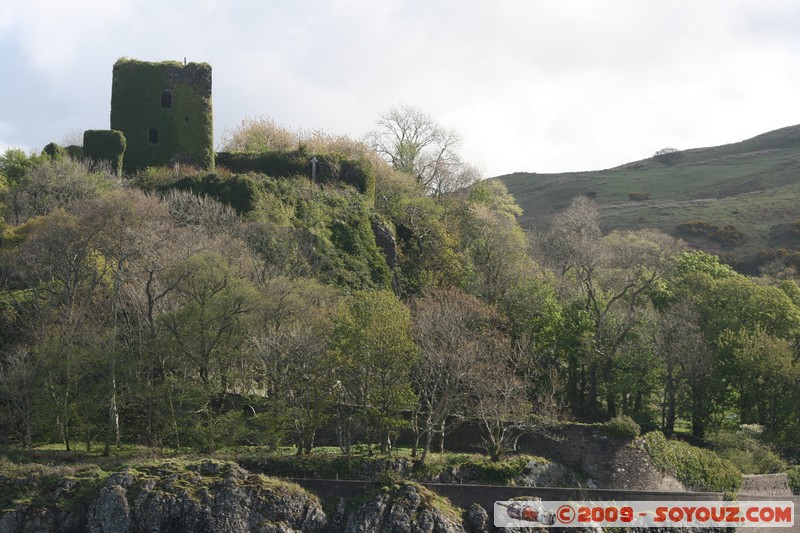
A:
[766,485]
[611,462]
[485,495]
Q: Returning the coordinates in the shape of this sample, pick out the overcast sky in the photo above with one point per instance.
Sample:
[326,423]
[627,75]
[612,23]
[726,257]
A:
[531,85]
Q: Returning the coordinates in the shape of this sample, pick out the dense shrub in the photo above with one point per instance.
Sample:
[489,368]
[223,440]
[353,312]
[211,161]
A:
[623,426]
[499,472]
[668,156]
[695,228]
[747,452]
[56,183]
[105,145]
[728,236]
[331,168]
[782,254]
[75,151]
[54,150]
[694,467]
[238,191]
[794,478]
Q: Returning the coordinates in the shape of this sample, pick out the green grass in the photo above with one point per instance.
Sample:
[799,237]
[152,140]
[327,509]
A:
[753,185]
[324,462]
[33,484]
[55,453]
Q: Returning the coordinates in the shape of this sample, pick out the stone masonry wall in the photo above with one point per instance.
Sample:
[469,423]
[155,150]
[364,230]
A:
[766,484]
[611,462]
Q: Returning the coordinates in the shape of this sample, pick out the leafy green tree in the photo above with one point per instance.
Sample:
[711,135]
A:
[682,351]
[767,372]
[373,352]
[14,164]
[427,254]
[611,279]
[207,328]
[296,369]
[493,240]
[730,308]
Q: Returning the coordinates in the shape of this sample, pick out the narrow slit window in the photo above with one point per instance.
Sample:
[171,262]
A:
[166,99]
[153,136]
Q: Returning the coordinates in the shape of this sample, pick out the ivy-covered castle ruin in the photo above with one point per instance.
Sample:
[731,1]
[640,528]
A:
[164,112]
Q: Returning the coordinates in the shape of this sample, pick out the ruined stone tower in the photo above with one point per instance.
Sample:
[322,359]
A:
[164,111]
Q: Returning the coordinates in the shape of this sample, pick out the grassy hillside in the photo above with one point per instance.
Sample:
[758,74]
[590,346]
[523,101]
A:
[753,186]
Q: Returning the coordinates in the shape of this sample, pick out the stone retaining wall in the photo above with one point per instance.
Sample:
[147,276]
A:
[766,484]
[610,462]
[485,495]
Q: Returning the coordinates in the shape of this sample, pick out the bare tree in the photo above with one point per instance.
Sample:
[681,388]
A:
[56,183]
[414,143]
[502,409]
[18,387]
[449,326]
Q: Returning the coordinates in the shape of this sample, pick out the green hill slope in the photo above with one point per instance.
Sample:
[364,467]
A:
[747,192]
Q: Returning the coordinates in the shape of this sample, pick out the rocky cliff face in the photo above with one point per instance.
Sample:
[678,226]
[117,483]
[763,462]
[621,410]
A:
[201,497]
[406,508]
[205,497]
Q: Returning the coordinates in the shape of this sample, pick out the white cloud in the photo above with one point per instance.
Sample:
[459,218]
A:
[539,86]
[6,134]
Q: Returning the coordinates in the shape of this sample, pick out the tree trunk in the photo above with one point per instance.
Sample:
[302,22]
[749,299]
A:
[668,421]
[591,398]
[698,414]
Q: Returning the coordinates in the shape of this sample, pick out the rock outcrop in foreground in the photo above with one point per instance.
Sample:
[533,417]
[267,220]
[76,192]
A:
[200,497]
[203,497]
[404,508]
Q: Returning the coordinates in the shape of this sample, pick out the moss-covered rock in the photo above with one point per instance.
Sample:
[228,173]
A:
[406,507]
[206,496]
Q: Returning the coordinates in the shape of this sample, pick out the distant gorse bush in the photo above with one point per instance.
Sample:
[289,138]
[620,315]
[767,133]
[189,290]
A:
[638,196]
[728,236]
